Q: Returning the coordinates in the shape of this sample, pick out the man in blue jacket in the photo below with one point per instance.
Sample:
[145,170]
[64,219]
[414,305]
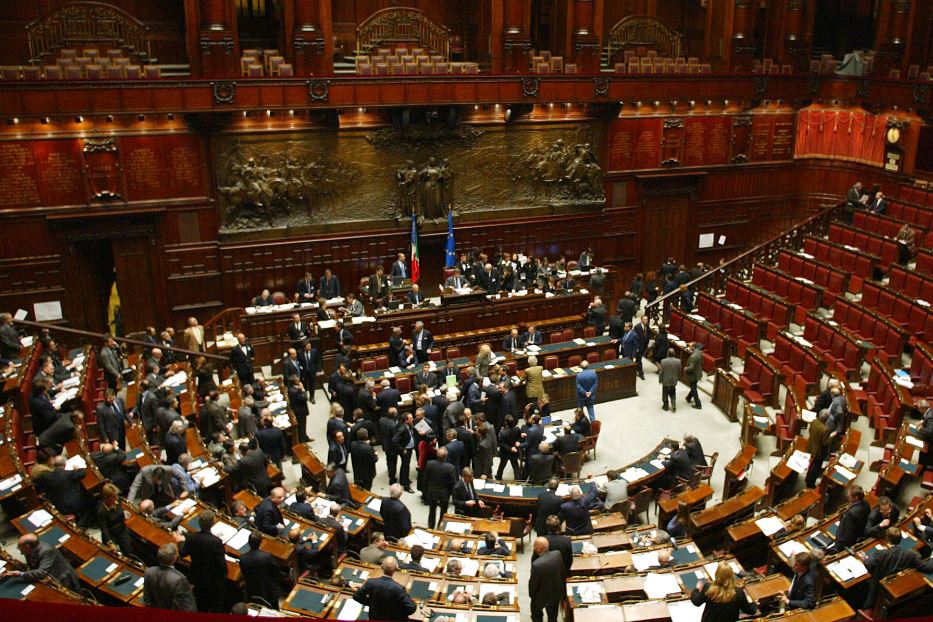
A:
[587,383]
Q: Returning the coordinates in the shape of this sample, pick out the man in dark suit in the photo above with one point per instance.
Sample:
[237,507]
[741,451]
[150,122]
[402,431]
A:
[441,478]
[331,520]
[422,341]
[625,307]
[44,560]
[268,513]
[298,402]
[337,453]
[304,290]
[260,572]
[677,465]
[404,439]
[386,598]
[10,344]
[164,587]
[111,362]
[415,297]
[298,331]
[456,451]
[208,565]
[426,377]
[541,464]
[395,516]
[109,461]
[396,346]
[566,443]
[883,516]
[457,280]
[889,561]
[512,342]
[532,337]
[271,440]
[310,362]
[489,279]
[241,359]
[575,514]
[63,490]
[399,270]
[43,411]
[344,336]
[388,397]
[363,458]
[508,403]
[559,542]
[379,291]
[616,327]
[250,469]
[466,501]
[329,286]
[643,332]
[548,504]
[802,592]
[546,583]
[534,435]
[338,486]
[852,524]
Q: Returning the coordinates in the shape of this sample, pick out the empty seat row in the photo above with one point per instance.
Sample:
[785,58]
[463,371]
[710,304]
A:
[921,370]
[716,345]
[859,264]
[902,309]
[677,66]
[911,213]
[799,364]
[82,72]
[768,66]
[924,263]
[805,296]
[767,306]
[760,379]
[411,69]
[839,350]
[746,331]
[881,332]
[867,241]
[831,279]
[886,402]
[911,282]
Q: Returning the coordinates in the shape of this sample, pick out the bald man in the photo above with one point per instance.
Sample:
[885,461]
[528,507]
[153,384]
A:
[546,584]
[386,598]
[43,561]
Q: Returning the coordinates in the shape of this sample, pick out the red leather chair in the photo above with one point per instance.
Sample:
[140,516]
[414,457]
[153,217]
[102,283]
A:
[550,362]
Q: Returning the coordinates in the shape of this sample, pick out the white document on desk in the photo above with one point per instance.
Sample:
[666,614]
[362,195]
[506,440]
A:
[223,531]
[239,540]
[799,461]
[646,560]
[769,525]
[685,611]
[658,586]
[351,610]
[40,518]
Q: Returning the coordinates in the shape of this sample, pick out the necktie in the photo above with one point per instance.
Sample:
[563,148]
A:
[472,494]
[116,408]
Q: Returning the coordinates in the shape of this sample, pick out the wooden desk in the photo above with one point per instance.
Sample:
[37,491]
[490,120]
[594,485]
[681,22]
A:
[477,525]
[313,601]
[702,524]
[691,498]
[782,475]
[904,594]
[769,587]
[726,392]
[736,472]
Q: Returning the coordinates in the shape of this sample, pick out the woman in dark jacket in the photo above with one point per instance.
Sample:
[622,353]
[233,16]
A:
[111,520]
[509,435]
[204,374]
[723,601]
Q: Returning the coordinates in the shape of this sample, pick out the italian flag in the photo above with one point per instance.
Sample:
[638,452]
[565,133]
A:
[415,262]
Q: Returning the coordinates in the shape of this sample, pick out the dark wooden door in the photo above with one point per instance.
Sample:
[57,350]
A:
[665,230]
[133,259]
[89,268]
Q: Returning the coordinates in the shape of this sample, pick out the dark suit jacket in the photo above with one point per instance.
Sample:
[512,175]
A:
[250,470]
[175,445]
[396,517]
[363,458]
[330,288]
[339,456]
[268,517]
[166,588]
[852,525]
[456,455]
[111,466]
[430,380]
[563,545]
[43,413]
[540,468]
[63,489]
[416,299]
[566,443]
[298,401]
[375,291]
[884,563]
[386,599]
[305,287]
[528,339]
[243,363]
[577,518]
[46,560]
[338,488]
[440,478]
[679,464]
[427,340]
[208,566]
[388,398]
[261,575]
[546,585]
[461,494]
[271,442]
[802,593]
[290,368]
[548,505]
[309,368]
[872,530]
[111,425]
[298,333]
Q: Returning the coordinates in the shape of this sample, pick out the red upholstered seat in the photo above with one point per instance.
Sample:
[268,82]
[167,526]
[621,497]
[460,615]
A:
[550,362]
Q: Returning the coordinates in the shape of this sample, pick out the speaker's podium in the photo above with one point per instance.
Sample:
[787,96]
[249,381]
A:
[451,297]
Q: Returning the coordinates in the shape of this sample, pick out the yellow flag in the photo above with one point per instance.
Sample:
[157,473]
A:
[113,312]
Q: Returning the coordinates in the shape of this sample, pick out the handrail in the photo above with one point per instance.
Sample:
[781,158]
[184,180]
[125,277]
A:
[645,30]
[95,337]
[402,23]
[741,266]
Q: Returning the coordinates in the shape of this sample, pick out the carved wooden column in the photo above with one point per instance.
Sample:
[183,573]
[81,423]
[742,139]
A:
[743,43]
[213,50]
[585,24]
[793,48]
[892,38]
[309,36]
[510,38]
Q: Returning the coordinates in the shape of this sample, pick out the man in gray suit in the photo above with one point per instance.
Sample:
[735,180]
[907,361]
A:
[44,560]
[546,585]
[669,376]
[164,587]
[110,362]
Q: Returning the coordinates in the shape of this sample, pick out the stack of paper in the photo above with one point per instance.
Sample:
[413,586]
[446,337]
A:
[658,586]
[183,507]
[848,461]
[799,461]
[791,548]
[75,463]
[685,611]
[457,527]
[587,592]
[40,518]
[847,568]
[846,473]
[646,560]
[770,525]
[223,531]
